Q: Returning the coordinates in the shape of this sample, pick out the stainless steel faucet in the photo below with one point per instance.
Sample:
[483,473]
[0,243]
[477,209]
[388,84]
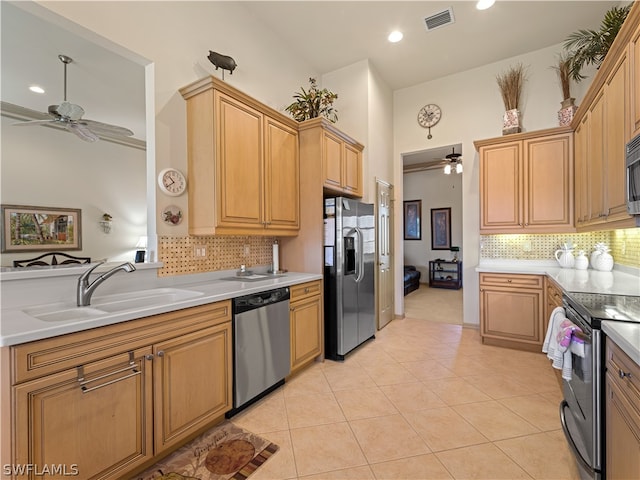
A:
[85,289]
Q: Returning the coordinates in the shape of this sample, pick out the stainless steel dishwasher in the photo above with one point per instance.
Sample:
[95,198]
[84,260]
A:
[261,356]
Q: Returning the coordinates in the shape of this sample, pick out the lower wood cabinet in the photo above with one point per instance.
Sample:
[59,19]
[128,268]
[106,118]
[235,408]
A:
[511,310]
[139,389]
[306,317]
[622,406]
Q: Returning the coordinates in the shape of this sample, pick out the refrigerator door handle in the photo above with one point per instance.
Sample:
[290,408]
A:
[359,255]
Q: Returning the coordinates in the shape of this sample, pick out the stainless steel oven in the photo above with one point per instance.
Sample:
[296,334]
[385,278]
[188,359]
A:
[582,410]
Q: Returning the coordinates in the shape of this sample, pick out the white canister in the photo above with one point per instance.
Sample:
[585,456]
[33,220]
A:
[604,262]
[581,261]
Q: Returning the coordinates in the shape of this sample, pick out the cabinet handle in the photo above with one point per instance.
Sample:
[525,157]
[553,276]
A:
[623,374]
[149,356]
[306,289]
[160,353]
[292,309]
[526,224]
[509,280]
[87,390]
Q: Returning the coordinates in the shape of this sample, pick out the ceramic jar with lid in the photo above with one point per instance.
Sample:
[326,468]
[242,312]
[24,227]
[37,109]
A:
[581,261]
[601,259]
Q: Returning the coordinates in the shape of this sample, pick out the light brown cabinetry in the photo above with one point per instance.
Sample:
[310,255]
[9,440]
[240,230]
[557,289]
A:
[243,164]
[339,155]
[526,183]
[607,119]
[622,406]
[109,399]
[553,299]
[511,310]
[306,317]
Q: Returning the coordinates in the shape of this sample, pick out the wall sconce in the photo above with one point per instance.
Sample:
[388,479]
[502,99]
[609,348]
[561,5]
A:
[105,223]
[142,249]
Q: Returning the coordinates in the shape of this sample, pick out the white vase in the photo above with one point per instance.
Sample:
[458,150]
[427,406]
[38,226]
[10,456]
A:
[565,258]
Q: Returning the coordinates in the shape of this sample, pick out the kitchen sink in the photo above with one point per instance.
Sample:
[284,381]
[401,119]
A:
[108,304]
[145,298]
[254,277]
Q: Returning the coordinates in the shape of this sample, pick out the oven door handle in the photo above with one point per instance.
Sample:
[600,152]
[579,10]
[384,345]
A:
[572,444]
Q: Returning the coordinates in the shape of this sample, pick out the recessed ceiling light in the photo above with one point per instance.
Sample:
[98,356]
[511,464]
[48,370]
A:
[36,89]
[484,4]
[395,36]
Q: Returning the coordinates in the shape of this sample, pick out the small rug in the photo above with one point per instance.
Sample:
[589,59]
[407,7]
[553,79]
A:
[226,452]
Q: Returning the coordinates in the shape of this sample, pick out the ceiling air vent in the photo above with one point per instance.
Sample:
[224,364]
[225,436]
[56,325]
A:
[440,19]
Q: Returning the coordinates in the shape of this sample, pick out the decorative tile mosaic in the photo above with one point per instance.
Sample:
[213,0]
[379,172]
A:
[178,253]
[624,244]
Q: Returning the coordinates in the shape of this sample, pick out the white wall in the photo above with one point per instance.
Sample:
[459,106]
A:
[472,109]
[53,168]
[177,37]
[436,190]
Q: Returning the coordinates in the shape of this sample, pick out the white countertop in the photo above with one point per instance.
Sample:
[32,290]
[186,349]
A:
[17,327]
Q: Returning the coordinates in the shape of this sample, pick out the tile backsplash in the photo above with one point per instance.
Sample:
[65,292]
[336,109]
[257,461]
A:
[624,244]
[178,253]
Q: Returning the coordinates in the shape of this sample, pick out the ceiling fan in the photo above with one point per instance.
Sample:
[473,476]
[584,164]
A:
[69,116]
[454,162]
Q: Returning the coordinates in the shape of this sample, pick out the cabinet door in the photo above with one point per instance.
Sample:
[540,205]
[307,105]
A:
[500,187]
[616,104]
[332,161]
[634,55]
[192,383]
[282,176]
[580,174]
[239,179]
[548,198]
[352,170]
[306,330]
[514,315]
[622,435]
[104,429]
[596,160]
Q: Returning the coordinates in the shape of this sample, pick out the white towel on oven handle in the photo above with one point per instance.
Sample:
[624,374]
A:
[560,360]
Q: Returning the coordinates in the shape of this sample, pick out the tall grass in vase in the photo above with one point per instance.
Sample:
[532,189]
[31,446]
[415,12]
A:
[511,83]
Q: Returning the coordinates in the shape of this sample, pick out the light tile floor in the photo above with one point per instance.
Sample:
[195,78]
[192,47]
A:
[424,400]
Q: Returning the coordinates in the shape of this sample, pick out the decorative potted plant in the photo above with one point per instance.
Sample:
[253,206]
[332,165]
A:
[567,106]
[313,103]
[511,83]
[589,47]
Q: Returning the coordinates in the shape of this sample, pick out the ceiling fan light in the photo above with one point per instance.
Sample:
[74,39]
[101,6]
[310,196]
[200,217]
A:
[458,167]
[447,169]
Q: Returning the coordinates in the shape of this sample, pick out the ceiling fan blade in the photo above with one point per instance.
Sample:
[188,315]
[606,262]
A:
[35,122]
[100,128]
[82,132]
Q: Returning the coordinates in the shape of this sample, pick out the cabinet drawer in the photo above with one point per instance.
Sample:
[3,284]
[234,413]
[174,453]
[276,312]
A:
[625,374]
[304,290]
[554,294]
[509,280]
[43,357]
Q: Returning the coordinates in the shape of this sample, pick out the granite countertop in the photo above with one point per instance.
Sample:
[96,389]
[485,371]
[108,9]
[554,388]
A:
[620,281]
[17,326]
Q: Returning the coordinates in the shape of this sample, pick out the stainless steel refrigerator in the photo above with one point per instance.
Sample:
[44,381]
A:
[349,263]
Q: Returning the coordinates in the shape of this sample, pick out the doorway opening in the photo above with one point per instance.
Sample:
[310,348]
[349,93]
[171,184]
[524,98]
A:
[433,190]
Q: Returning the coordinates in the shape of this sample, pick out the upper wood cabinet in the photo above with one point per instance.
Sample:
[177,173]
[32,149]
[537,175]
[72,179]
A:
[243,163]
[339,155]
[607,119]
[526,182]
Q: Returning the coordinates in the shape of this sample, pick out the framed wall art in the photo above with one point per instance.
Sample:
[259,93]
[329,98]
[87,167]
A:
[40,229]
[412,216]
[440,228]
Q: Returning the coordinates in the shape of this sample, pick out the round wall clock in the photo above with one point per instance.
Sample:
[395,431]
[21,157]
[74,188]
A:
[172,182]
[428,116]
